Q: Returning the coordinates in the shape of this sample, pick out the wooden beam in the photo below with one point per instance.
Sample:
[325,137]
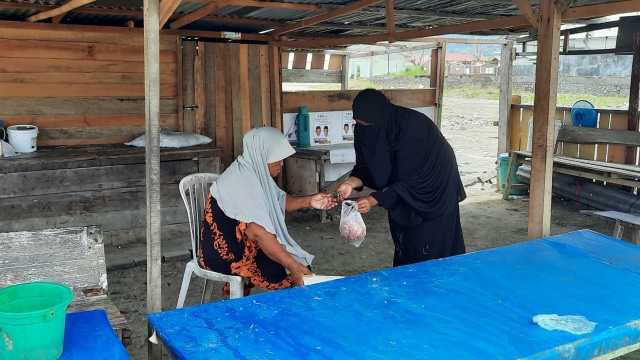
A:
[562,5]
[391,21]
[167,7]
[512,21]
[60,10]
[56,19]
[274,5]
[200,13]
[326,16]
[432,14]
[527,11]
[601,10]
[634,95]
[544,113]
[507,57]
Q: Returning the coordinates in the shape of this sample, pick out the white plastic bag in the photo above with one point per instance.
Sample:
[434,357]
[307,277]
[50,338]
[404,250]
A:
[575,324]
[352,227]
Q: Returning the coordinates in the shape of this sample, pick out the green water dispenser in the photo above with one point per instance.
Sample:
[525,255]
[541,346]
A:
[303,133]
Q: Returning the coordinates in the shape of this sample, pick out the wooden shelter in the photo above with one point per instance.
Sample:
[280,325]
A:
[87,72]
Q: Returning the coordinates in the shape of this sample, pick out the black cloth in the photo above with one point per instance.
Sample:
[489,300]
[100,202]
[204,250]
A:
[404,157]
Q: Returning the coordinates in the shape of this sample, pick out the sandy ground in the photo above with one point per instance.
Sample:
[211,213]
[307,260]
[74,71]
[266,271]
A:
[487,222]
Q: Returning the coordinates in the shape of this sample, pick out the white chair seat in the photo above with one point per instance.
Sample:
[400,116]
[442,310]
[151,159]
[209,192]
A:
[194,189]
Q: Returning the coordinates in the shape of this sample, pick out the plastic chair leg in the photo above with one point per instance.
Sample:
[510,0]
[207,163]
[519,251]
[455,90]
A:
[237,288]
[188,270]
[208,291]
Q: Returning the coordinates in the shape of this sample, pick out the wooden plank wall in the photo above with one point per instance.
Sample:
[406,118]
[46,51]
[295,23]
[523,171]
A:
[316,73]
[82,87]
[342,100]
[229,84]
[607,119]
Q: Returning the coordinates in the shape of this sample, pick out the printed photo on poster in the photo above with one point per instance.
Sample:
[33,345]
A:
[348,125]
[321,127]
[292,134]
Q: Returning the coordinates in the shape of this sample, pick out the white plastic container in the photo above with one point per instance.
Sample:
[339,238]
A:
[23,138]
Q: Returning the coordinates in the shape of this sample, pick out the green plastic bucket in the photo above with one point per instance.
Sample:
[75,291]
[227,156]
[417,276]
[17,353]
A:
[503,168]
[32,318]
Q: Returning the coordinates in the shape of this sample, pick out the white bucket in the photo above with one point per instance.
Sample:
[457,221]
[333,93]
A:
[23,138]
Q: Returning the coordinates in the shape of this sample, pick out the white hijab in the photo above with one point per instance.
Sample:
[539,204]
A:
[247,192]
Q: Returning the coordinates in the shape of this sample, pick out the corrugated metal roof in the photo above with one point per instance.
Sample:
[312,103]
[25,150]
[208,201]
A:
[253,17]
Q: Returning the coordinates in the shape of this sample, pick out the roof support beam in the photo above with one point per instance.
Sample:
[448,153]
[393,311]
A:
[527,11]
[327,16]
[200,13]
[60,10]
[391,21]
[544,113]
[167,7]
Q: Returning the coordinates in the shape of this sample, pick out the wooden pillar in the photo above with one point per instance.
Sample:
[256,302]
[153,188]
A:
[345,73]
[544,120]
[504,107]
[152,158]
[437,78]
[275,79]
[634,92]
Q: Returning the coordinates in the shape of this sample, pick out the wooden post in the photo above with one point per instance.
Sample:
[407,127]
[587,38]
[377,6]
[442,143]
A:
[504,107]
[440,66]
[152,151]
[634,92]
[544,115]
[345,73]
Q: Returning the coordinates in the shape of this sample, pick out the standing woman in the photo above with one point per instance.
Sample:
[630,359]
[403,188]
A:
[403,156]
[243,231]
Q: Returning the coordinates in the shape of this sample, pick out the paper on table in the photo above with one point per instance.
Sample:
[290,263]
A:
[315,279]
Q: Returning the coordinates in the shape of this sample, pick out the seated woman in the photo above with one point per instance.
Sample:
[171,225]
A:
[243,230]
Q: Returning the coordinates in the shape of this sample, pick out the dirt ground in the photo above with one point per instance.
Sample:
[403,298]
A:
[487,222]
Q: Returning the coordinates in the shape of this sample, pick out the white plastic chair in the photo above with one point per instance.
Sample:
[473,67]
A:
[194,189]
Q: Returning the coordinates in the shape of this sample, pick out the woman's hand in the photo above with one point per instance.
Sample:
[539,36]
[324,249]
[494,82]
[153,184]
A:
[347,187]
[297,272]
[323,201]
[366,203]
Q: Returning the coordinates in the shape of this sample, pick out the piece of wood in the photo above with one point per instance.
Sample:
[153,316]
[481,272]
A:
[355,6]
[200,99]
[276,86]
[79,106]
[311,76]
[224,130]
[299,61]
[504,103]
[336,101]
[265,85]
[60,10]
[209,92]
[583,135]
[73,256]
[199,13]
[254,87]
[616,153]
[317,61]
[335,62]
[544,115]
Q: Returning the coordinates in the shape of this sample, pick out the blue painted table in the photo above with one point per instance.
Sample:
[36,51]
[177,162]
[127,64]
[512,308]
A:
[89,335]
[474,306]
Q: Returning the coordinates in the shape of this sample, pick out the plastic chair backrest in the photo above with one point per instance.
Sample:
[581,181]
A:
[194,189]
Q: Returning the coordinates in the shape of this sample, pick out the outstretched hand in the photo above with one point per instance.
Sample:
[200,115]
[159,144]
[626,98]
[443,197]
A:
[323,201]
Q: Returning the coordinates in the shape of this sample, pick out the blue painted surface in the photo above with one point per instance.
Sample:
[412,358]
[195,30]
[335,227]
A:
[89,335]
[474,306]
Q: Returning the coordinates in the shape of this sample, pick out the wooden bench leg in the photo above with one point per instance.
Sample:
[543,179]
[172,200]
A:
[507,182]
[618,230]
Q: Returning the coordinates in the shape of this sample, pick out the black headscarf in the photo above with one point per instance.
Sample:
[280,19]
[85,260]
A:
[404,153]
[374,141]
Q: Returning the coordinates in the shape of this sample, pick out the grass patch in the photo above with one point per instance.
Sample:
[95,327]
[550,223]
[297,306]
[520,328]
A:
[600,102]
